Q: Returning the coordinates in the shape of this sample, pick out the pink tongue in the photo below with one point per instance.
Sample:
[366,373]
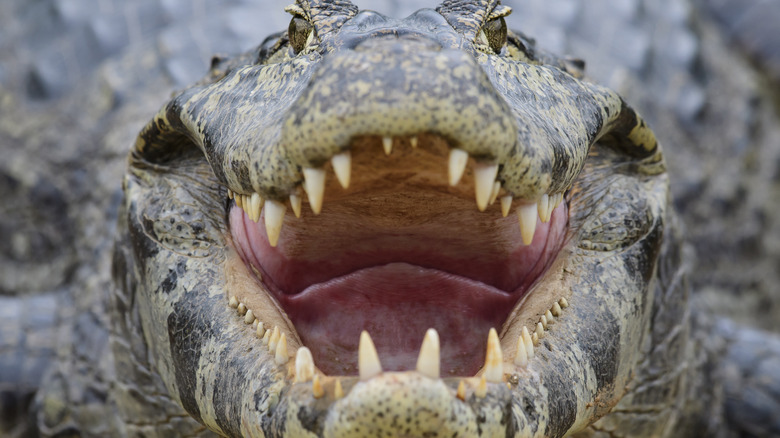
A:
[396,303]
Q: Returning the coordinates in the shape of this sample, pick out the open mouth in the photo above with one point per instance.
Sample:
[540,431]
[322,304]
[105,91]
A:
[399,246]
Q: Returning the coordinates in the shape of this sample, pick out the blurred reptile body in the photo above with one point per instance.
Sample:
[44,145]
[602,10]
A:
[293,223]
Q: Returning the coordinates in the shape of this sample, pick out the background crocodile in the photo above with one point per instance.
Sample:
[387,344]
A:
[694,66]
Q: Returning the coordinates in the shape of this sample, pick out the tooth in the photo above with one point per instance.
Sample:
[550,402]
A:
[230,194]
[256,205]
[239,200]
[233,302]
[428,360]
[494,193]
[494,361]
[295,203]
[534,338]
[521,355]
[316,387]
[484,177]
[558,199]
[461,394]
[481,390]
[529,343]
[550,207]
[563,303]
[304,365]
[549,317]
[260,329]
[342,166]
[539,330]
[281,351]
[457,165]
[506,204]
[368,359]
[413,141]
[273,340]
[527,214]
[266,337]
[250,317]
[556,309]
[315,187]
[387,145]
[274,216]
[241,309]
[543,321]
[543,206]
[338,391]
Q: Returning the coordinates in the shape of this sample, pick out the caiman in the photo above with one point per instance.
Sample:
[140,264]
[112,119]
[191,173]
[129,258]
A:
[369,226]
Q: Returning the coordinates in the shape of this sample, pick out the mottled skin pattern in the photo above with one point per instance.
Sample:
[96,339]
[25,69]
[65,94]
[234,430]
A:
[175,217]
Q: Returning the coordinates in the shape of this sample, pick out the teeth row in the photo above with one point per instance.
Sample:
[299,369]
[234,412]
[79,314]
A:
[274,339]
[527,340]
[487,190]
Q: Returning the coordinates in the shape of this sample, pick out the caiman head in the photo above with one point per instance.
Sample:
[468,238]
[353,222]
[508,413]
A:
[381,227]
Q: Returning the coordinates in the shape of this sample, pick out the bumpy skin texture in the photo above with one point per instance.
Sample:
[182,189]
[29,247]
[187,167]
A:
[73,398]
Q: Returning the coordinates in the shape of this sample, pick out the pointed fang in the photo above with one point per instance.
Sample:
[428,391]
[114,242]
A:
[274,217]
[494,193]
[494,362]
[387,145]
[428,361]
[295,203]
[413,141]
[556,309]
[529,343]
[316,387]
[338,391]
[342,166]
[256,203]
[527,214]
[521,354]
[281,351]
[506,205]
[544,204]
[368,359]
[484,177]
[304,365]
[549,316]
[457,165]
[315,187]
[273,340]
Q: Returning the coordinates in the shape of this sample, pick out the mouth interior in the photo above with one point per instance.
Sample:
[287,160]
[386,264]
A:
[398,252]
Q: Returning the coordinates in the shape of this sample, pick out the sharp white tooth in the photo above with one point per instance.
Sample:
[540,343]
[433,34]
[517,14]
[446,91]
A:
[338,391]
[549,316]
[556,309]
[506,205]
[428,360]
[304,365]
[241,309]
[273,340]
[481,390]
[266,337]
[249,318]
[387,145]
[316,387]
[413,141]
[257,206]
[539,330]
[527,214]
[563,303]
[494,361]
[230,194]
[535,338]
[494,193]
[315,187]
[295,203]
[484,177]
[529,343]
[457,165]
[543,322]
[368,359]
[274,217]
[521,355]
[461,394]
[260,329]
[543,207]
[281,351]
[342,167]
[233,302]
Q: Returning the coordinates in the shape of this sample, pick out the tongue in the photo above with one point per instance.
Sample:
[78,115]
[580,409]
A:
[396,303]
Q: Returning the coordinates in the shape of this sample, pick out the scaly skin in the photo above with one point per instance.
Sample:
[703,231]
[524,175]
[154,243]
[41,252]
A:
[606,351]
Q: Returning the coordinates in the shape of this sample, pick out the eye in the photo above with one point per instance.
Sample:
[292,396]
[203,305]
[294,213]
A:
[495,33]
[299,32]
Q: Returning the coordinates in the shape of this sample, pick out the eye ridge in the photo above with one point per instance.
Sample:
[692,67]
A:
[496,33]
[298,33]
